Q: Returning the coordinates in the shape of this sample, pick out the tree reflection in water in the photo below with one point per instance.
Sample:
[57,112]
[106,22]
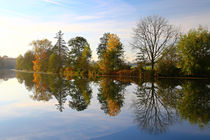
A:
[153,110]
[45,87]
[111,96]
[194,105]
[157,105]
[59,90]
[80,93]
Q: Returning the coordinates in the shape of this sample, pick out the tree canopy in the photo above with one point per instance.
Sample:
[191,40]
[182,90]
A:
[194,52]
[151,36]
[110,54]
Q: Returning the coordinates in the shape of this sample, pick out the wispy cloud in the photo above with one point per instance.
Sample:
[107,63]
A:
[53,2]
[14,13]
[23,23]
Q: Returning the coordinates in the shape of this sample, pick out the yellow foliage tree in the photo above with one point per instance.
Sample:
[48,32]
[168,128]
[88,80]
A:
[111,54]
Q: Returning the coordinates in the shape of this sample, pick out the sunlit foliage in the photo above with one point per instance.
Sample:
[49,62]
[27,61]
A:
[41,50]
[194,52]
[110,54]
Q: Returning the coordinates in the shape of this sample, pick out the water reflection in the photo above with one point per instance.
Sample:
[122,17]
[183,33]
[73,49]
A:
[153,109]
[80,92]
[158,105]
[7,74]
[194,105]
[111,96]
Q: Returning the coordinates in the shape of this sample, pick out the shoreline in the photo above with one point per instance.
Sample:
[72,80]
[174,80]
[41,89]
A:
[126,76]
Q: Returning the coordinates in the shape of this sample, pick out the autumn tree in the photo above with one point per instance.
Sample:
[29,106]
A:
[42,51]
[110,51]
[151,36]
[194,52]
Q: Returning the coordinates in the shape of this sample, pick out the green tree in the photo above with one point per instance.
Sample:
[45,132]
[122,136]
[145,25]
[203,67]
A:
[60,49]
[19,62]
[194,52]
[167,64]
[54,63]
[80,53]
[28,60]
[102,45]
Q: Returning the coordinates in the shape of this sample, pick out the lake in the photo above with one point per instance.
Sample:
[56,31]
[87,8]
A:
[41,106]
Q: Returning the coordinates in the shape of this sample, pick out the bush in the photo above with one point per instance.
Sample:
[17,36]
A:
[167,68]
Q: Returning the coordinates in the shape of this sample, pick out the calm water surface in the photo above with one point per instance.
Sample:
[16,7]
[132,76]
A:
[38,106]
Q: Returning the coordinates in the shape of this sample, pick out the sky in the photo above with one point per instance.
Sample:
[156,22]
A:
[22,21]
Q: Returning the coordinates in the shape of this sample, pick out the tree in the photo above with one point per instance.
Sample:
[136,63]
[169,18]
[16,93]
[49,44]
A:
[194,52]
[19,62]
[167,63]
[42,51]
[28,60]
[80,53]
[110,54]
[103,45]
[54,63]
[151,36]
[60,49]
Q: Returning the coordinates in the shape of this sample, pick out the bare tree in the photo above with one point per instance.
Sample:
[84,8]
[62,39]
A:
[151,36]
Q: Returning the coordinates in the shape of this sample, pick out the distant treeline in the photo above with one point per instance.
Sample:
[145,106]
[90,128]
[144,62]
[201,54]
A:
[161,51]
[7,63]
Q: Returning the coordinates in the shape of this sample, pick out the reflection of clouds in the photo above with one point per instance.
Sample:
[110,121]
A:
[21,109]
[38,121]
[32,119]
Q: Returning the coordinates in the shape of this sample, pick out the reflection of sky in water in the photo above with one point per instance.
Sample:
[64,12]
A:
[23,118]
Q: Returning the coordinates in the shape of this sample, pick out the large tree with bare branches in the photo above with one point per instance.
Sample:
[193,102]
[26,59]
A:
[151,36]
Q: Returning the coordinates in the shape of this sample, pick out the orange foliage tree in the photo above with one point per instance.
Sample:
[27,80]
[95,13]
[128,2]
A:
[41,49]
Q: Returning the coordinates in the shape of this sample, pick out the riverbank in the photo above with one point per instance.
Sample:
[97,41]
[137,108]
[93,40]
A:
[126,76]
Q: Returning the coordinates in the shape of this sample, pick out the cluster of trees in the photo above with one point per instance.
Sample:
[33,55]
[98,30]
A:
[169,52]
[76,57]
[190,56]
[159,45]
[7,63]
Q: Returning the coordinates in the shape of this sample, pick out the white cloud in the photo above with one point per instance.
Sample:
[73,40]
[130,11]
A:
[17,33]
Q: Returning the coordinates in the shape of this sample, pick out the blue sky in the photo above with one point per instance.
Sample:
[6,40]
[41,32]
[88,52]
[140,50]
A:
[22,21]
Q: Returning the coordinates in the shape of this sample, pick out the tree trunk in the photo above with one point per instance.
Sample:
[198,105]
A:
[153,63]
